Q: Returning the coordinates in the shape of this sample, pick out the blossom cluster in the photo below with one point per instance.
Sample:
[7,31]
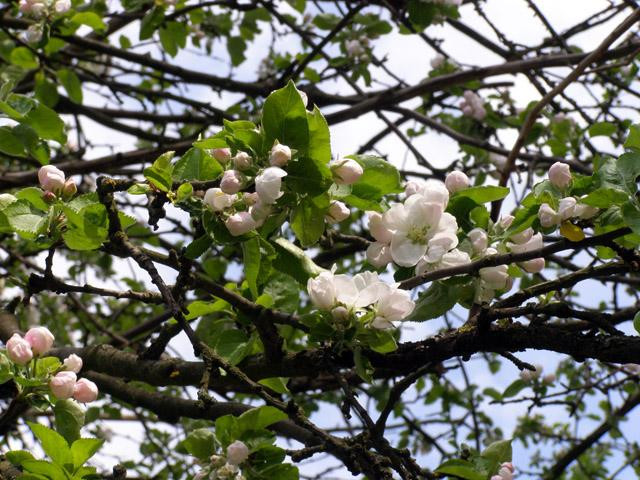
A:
[419,233]
[64,384]
[244,211]
[221,467]
[472,105]
[53,182]
[532,375]
[568,207]
[357,48]
[363,295]
[505,473]
[42,8]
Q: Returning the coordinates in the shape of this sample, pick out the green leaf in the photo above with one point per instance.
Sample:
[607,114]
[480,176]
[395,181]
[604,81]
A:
[236,47]
[294,262]
[636,322]
[434,302]
[259,418]
[605,197]
[33,195]
[48,470]
[284,118]
[16,457]
[516,387]
[307,219]
[310,173]
[46,123]
[71,84]
[69,419]
[87,229]
[483,193]
[631,216]
[326,21]
[10,144]
[497,453]
[251,259]
[47,366]
[200,443]
[160,172]
[91,19]
[196,164]
[151,22]
[25,220]
[363,366]
[277,384]
[184,192]
[602,129]
[232,346]
[52,443]
[24,57]
[173,36]
[460,469]
[633,140]
[628,167]
[83,449]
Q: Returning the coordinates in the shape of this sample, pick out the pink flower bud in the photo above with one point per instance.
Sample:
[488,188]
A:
[51,178]
[338,212]
[237,453]
[280,155]
[346,172]
[49,197]
[38,9]
[534,266]
[506,221]
[242,161]
[523,236]
[40,339]
[479,240]
[456,181]
[548,216]
[19,350]
[566,208]
[509,466]
[549,379]
[25,6]
[62,6]
[70,188]
[221,154]
[73,363]
[63,385]
[340,314]
[496,277]
[353,48]
[560,175]
[85,391]
[231,182]
[240,223]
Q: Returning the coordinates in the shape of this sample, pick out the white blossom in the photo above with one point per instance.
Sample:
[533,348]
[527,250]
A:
[420,228]
[560,175]
[269,184]
[218,200]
